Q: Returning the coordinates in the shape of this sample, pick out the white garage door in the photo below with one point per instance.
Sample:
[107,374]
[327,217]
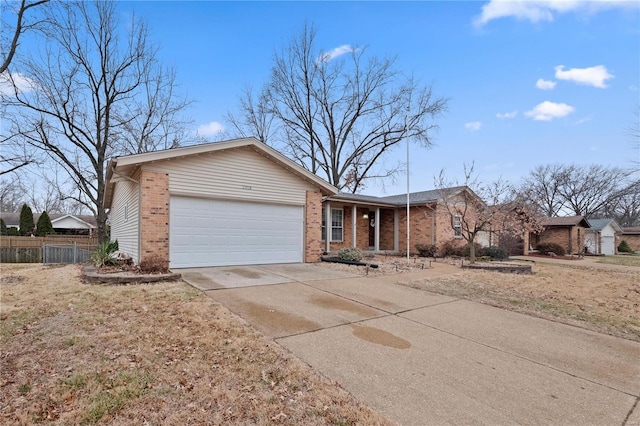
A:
[218,233]
[608,245]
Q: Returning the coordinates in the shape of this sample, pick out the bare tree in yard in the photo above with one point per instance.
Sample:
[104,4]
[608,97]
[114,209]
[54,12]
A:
[92,88]
[542,187]
[574,189]
[625,208]
[14,159]
[255,117]
[340,112]
[476,207]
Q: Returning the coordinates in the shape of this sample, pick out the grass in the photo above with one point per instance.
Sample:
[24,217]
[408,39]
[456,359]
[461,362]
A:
[160,354]
[625,260]
[603,300]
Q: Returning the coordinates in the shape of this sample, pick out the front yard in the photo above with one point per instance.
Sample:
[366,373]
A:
[72,353]
[588,293]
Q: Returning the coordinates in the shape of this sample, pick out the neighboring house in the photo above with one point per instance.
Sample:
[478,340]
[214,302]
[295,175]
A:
[63,224]
[380,223]
[567,231]
[632,236]
[240,202]
[600,238]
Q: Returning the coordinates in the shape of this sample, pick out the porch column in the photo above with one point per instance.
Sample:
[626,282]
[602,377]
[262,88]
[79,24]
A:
[354,220]
[327,227]
[396,221]
[377,231]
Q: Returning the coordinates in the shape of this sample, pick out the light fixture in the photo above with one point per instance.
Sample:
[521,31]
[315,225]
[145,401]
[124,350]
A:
[365,216]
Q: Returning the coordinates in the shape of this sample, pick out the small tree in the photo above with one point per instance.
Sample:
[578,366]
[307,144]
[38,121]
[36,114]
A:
[624,247]
[44,226]
[26,220]
[3,227]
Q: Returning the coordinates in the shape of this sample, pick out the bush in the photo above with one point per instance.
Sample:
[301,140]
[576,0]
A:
[452,248]
[44,226]
[351,253]
[550,248]
[494,252]
[104,254]
[426,250]
[154,264]
[13,232]
[3,227]
[624,247]
[26,221]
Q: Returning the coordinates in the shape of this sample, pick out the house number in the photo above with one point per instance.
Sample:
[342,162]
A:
[247,187]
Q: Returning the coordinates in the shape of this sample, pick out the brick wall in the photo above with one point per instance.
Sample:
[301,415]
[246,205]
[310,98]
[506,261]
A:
[313,227]
[632,239]
[571,238]
[154,214]
[387,218]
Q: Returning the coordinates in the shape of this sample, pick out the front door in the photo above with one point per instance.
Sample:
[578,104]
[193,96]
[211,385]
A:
[372,229]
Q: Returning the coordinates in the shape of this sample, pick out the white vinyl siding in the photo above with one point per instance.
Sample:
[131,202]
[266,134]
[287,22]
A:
[124,217]
[208,232]
[236,174]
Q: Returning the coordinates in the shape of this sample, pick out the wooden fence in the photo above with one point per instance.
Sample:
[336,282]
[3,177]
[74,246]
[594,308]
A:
[49,249]
[82,241]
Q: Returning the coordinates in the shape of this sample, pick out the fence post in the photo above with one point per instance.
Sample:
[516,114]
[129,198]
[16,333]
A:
[75,251]
[44,254]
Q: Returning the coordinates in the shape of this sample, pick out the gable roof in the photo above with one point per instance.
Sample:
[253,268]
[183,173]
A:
[566,221]
[125,165]
[600,224]
[422,197]
[12,219]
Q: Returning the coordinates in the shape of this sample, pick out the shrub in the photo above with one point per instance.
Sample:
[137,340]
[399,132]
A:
[426,250]
[351,253]
[154,264]
[104,254]
[26,220]
[624,247]
[550,247]
[13,232]
[3,227]
[494,252]
[44,226]
[452,248]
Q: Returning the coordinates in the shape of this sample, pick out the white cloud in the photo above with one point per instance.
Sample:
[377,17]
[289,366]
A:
[511,114]
[592,76]
[545,84]
[544,10]
[473,126]
[210,129]
[547,111]
[22,82]
[338,51]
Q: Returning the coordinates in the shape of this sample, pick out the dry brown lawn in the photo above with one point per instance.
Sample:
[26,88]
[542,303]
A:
[604,298]
[72,353]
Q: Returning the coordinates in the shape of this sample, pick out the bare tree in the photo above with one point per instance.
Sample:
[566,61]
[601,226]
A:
[475,207]
[542,187]
[587,189]
[12,194]
[90,85]
[341,112]
[625,208]
[10,46]
[255,117]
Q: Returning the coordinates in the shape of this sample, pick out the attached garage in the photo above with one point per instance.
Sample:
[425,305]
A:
[207,232]
[236,202]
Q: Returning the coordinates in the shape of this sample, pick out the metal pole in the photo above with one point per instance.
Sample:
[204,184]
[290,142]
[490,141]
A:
[408,237]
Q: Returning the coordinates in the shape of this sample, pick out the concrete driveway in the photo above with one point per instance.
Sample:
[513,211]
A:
[422,358]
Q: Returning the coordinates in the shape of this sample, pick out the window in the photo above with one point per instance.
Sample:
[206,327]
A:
[337,225]
[457,226]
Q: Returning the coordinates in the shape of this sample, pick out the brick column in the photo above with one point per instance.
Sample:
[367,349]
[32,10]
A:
[313,227]
[154,215]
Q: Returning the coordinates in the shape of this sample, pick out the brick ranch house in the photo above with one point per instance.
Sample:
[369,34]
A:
[241,202]
[631,235]
[567,231]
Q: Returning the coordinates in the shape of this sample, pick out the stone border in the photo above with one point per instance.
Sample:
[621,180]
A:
[504,268]
[91,276]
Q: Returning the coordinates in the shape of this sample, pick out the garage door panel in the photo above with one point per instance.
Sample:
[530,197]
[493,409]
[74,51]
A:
[220,232]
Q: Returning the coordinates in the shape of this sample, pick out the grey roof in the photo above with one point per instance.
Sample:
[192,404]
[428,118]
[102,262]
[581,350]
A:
[566,221]
[631,230]
[600,224]
[421,197]
[12,219]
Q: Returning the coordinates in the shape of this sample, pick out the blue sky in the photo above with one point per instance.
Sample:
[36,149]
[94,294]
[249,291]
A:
[529,83]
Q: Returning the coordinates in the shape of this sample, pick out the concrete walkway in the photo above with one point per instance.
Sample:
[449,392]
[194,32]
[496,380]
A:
[422,358]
